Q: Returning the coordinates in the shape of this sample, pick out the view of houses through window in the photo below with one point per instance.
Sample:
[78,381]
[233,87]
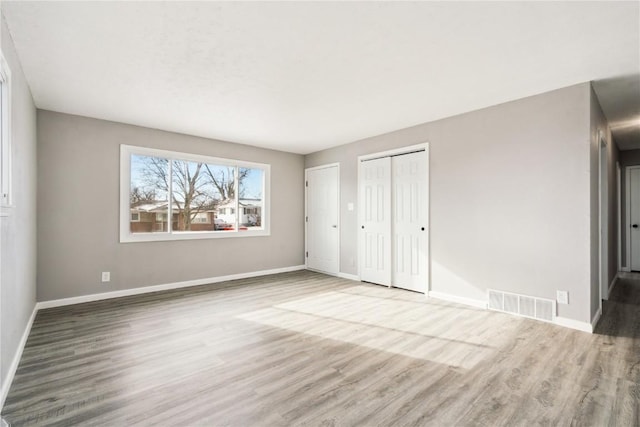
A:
[169,195]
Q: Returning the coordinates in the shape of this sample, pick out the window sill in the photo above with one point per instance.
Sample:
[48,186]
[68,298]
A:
[190,235]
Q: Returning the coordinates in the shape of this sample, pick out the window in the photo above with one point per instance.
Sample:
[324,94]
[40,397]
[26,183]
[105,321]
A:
[5,133]
[187,196]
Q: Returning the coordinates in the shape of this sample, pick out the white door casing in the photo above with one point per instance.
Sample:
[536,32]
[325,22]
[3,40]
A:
[394,218]
[603,206]
[409,207]
[633,192]
[375,233]
[322,219]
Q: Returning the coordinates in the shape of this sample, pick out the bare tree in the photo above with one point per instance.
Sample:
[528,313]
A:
[139,196]
[189,191]
[190,186]
[223,179]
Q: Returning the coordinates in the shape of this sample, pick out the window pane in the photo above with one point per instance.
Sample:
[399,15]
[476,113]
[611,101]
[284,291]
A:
[250,198]
[194,197]
[148,195]
[175,196]
[223,181]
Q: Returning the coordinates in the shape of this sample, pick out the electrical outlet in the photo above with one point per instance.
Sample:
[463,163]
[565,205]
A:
[562,297]
[106,276]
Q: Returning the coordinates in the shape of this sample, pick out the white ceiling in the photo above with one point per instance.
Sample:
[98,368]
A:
[305,76]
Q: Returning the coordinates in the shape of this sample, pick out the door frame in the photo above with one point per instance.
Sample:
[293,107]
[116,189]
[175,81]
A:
[603,219]
[619,213]
[389,153]
[306,214]
[627,219]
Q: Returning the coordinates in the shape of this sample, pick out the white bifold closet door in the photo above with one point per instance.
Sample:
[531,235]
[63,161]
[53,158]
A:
[394,235]
[375,233]
[409,226]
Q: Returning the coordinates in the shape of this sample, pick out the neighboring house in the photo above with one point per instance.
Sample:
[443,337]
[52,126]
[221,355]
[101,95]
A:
[150,217]
[250,214]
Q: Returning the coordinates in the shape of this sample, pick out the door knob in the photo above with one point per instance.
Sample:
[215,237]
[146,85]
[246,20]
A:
[363,227]
[422,229]
[334,226]
[635,225]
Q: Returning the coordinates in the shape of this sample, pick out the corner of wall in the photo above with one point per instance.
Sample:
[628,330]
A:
[599,129]
[18,240]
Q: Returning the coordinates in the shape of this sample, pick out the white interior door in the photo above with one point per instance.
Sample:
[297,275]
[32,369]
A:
[409,208]
[323,243]
[375,233]
[634,217]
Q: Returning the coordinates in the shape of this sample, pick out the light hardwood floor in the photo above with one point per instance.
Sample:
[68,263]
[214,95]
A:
[303,348]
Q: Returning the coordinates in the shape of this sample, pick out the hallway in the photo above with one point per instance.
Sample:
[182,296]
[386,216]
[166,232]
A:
[621,315]
[618,338]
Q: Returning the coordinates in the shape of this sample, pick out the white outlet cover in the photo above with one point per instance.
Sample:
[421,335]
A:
[106,276]
[562,297]
[349,206]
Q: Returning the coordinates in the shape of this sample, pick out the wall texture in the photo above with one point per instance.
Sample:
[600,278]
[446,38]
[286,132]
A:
[509,198]
[78,199]
[18,229]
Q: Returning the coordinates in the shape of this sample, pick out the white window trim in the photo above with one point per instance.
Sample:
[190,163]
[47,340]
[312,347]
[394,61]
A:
[125,183]
[6,195]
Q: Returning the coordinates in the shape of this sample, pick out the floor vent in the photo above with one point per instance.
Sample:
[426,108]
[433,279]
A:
[522,305]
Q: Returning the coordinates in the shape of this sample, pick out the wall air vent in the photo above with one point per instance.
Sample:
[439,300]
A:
[522,305]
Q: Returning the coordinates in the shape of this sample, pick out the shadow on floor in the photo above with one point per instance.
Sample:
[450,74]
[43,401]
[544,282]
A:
[621,312]
[626,291]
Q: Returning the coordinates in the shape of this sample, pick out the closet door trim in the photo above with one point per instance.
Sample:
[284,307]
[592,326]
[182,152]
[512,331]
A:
[390,153]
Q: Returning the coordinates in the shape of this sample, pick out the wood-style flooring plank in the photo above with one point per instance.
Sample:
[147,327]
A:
[304,348]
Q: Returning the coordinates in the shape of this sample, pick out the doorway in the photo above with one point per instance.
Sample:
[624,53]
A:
[633,217]
[394,221]
[322,204]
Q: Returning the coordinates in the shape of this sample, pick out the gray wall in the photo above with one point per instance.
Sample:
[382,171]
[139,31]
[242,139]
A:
[78,200]
[18,232]
[598,123]
[509,193]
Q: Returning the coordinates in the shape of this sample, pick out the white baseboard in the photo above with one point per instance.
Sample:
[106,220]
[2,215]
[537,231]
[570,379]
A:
[460,300]
[574,324]
[164,287]
[6,384]
[349,276]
